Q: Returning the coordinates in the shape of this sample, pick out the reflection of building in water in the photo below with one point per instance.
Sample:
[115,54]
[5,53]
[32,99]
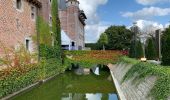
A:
[73,96]
[89,96]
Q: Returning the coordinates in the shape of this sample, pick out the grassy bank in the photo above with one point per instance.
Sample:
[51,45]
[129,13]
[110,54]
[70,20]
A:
[161,89]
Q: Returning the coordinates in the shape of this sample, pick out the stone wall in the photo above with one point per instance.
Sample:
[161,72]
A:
[130,90]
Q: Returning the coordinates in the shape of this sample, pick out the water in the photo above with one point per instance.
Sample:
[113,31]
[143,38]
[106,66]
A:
[70,86]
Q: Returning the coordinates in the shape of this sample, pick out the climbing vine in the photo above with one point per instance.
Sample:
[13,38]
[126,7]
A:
[140,70]
[56,29]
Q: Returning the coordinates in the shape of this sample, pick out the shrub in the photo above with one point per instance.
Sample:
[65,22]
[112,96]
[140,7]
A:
[22,70]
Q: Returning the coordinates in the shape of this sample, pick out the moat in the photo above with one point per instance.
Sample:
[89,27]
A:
[69,86]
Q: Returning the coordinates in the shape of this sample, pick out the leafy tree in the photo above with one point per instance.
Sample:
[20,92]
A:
[103,40]
[166,47]
[56,29]
[118,38]
[150,50]
[139,50]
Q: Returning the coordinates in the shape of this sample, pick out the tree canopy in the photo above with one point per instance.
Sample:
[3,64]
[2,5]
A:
[150,50]
[119,38]
[103,40]
[166,47]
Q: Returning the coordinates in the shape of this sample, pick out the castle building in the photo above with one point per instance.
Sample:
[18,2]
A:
[73,22]
[18,22]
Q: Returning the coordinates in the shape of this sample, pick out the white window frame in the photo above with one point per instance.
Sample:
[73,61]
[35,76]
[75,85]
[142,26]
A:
[22,6]
[30,45]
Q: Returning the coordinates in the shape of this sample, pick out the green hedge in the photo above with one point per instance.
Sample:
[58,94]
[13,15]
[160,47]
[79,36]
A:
[14,79]
[161,89]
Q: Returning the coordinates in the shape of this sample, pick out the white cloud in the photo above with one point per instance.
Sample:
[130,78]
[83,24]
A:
[93,28]
[148,25]
[151,2]
[90,6]
[166,25]
[148,28]
[94,32]
[147,13]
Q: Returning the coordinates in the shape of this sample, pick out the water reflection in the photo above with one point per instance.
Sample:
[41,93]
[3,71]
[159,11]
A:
[89,96]
[70,86]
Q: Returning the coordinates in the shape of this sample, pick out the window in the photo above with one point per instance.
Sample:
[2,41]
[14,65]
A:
[27,44]
[19,4]
[33,12]
[72,44]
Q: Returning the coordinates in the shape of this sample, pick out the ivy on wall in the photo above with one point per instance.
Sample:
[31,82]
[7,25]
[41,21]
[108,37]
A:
[161,89]
[56,30]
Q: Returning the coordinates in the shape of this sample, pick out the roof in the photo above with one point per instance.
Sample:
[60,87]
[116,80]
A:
[36,2]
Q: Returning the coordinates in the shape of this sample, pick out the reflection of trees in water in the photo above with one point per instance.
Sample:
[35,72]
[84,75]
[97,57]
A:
[105,97]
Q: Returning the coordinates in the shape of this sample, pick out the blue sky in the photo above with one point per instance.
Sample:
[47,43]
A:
[113,9]
[103,13]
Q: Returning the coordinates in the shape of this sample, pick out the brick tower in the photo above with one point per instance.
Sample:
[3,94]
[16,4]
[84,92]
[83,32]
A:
[73,22]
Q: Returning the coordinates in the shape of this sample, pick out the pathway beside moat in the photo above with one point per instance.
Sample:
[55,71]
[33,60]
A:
[127,90]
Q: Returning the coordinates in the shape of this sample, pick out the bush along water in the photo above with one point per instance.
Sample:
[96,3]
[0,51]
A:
[22,69]
[140,70]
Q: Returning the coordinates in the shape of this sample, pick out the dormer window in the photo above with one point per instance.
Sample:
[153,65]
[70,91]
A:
[19,4]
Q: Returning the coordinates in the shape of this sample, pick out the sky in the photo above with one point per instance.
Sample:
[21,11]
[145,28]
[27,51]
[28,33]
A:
[103,13]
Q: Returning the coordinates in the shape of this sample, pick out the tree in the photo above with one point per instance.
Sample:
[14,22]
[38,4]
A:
[150,50]
[139,50]
[118,38]
[166,47]
[132,50]
[103,40]
[56,29]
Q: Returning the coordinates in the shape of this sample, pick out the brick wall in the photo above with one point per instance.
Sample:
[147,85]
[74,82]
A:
[16,25]
[46,9]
